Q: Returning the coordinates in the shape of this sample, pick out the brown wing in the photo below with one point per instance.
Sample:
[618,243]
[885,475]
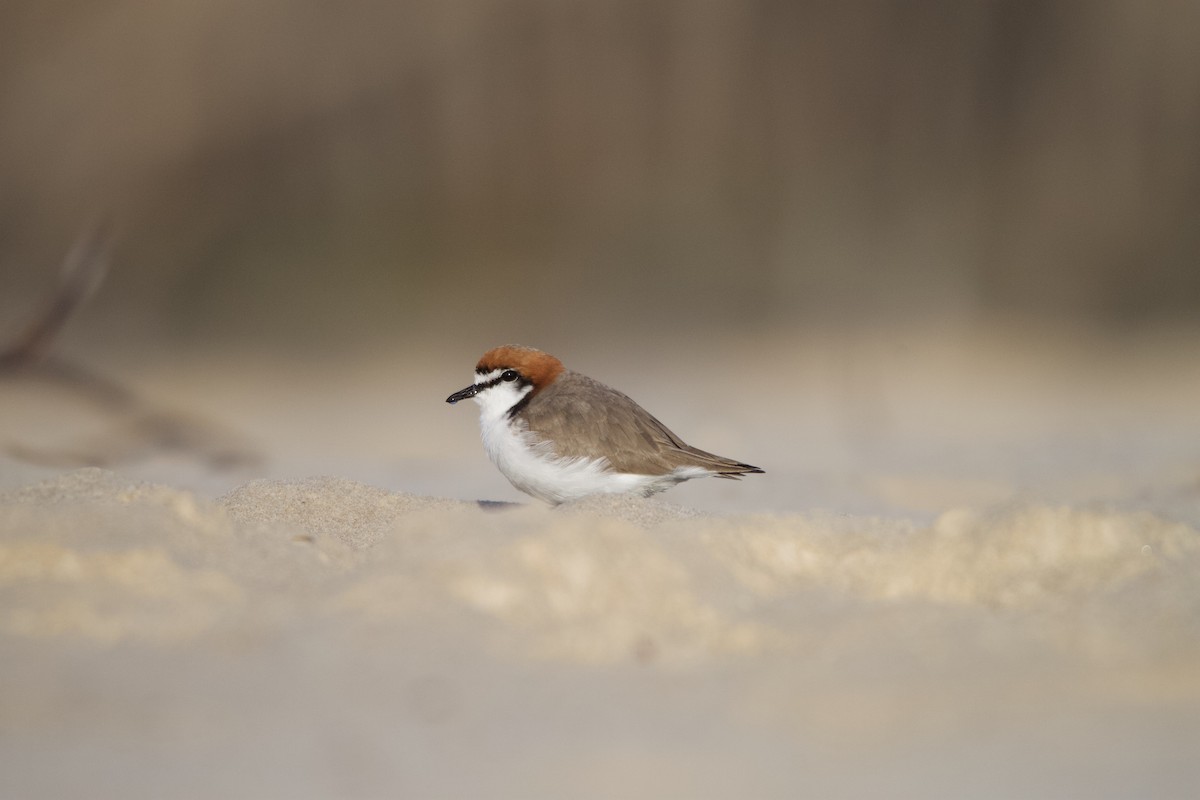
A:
[623,432]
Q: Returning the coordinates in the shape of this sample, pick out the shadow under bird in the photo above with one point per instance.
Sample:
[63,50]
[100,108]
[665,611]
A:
[559,435]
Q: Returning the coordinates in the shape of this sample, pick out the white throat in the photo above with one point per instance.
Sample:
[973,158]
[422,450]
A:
[496,401]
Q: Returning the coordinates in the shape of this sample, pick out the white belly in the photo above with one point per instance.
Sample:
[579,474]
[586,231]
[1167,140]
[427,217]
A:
[533,468]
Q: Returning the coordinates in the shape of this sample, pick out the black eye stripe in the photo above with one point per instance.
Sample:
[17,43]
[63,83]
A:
[520,380]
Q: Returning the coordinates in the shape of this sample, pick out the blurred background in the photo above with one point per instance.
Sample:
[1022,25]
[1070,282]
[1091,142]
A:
[645,183]
[933,264]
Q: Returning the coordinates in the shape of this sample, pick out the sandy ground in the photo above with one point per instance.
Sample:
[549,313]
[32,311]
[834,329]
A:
[971,571]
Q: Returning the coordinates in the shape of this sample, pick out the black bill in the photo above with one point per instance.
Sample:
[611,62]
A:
[463,394]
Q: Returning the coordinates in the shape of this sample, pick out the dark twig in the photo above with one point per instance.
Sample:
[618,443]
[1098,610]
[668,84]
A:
[82,273]
[141,429]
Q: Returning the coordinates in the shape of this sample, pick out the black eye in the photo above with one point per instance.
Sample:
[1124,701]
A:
[509,375]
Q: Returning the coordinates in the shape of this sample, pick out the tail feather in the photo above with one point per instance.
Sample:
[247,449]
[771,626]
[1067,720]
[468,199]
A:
[720,467]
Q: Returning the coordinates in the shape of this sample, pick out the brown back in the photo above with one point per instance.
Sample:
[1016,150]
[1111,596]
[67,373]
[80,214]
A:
[627,435]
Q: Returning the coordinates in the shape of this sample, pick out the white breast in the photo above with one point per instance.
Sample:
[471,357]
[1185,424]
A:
[531,465]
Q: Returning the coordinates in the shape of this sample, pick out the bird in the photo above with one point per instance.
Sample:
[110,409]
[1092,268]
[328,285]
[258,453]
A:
[558,435]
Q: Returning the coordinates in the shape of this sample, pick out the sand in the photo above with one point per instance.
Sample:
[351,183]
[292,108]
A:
[323,638]
[919,629]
